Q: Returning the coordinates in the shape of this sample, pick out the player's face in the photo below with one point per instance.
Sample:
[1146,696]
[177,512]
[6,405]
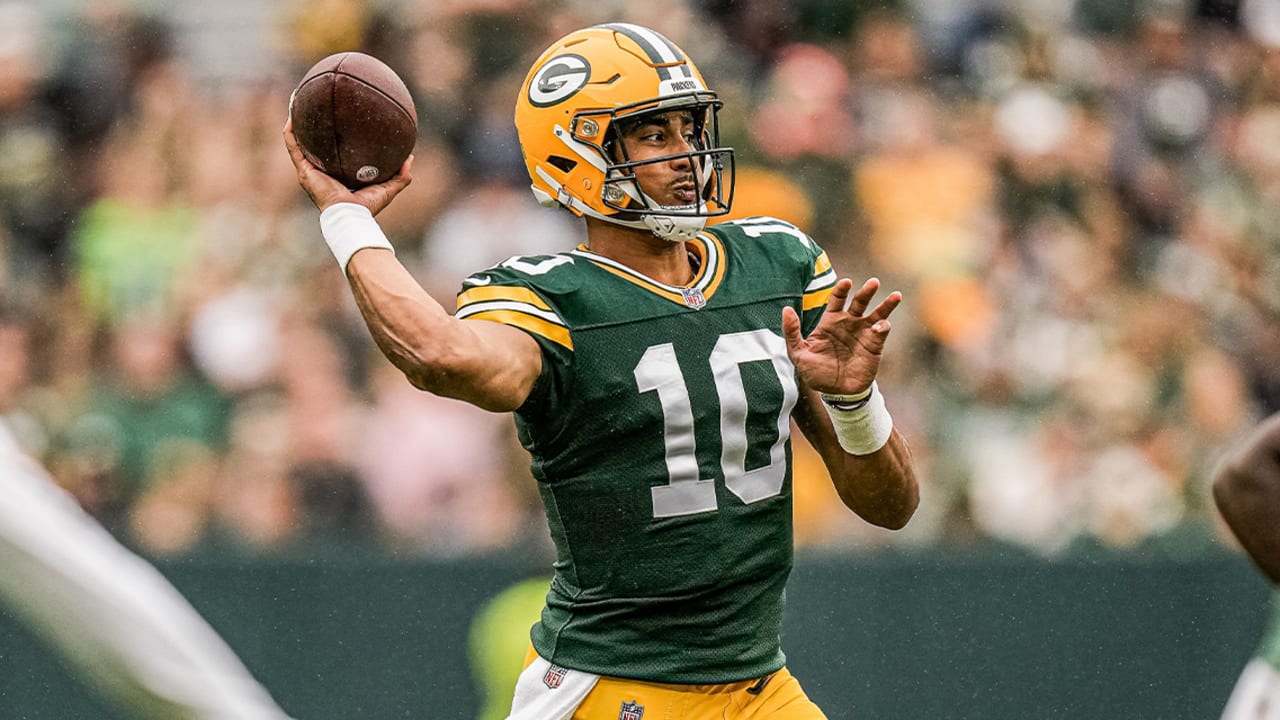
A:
[672,182]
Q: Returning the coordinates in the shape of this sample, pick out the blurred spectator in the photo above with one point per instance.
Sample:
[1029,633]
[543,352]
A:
[290,483]
[136,244]
[35,205]
[805,106]
[444,476]
[495,216]
[1021,471]
[759,27]
[173,514]
[764,191]
[1166,107]
[926,201]
[928,208]
[799,124]
[256,507]
[110,46]
[336,513]
[147,415]
[21,402]
[317,29]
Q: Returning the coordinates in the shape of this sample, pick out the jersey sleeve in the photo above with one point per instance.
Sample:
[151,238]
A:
[511,293]
[515,305]
[792,247]
[822,278]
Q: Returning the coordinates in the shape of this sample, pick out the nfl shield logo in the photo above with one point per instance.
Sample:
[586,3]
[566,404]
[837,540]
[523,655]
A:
[693,298]
[631,711]
[554,676]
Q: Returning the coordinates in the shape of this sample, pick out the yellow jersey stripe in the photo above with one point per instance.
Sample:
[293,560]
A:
[816,298]
[721,263]
[558,334]
[652,287]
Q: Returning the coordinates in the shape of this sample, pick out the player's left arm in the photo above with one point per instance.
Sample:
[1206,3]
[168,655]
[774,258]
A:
[1246,489]
[841,356]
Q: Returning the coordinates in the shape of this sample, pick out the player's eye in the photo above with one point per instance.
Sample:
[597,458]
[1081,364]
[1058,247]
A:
[655,137]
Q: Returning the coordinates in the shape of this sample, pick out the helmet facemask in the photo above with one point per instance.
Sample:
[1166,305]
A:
[711,164]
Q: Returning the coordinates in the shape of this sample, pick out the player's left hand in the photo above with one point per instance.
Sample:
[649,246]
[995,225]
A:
[842,354]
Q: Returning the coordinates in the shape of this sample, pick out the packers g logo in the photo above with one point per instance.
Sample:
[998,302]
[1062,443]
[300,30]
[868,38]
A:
[559,79]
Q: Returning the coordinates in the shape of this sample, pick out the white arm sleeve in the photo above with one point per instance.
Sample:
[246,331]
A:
[109,612]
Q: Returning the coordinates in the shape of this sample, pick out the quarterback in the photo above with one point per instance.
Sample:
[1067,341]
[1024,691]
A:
[653,374]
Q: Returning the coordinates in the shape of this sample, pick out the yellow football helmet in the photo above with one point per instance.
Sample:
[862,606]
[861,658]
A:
[568,110]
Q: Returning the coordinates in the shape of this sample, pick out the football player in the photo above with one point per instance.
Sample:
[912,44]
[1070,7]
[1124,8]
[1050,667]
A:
[113,616]
[653,373]
[1246,489]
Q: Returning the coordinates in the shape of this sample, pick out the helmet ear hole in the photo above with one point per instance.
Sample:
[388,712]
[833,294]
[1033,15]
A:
[562,163]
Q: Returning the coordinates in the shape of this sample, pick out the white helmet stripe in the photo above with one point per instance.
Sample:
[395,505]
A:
[580,149]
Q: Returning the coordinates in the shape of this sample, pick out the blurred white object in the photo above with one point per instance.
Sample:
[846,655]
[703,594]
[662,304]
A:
[235,338]
[1261,20]
[1032,120]
[112,615]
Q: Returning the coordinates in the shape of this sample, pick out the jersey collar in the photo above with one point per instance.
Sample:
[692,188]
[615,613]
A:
[710,252]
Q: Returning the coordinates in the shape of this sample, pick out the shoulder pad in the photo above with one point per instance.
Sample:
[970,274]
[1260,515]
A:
[762,226]
[521,270]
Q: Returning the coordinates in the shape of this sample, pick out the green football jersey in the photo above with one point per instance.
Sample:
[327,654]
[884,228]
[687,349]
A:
[659,433]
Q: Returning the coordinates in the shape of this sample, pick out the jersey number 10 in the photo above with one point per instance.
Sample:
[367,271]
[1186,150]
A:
[686,493]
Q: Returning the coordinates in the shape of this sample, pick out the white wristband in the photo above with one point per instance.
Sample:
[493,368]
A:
[348,228]
[865,429]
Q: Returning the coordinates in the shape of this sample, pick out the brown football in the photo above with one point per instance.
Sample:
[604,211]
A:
[354,118]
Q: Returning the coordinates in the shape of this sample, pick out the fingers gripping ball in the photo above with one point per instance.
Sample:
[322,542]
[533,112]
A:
[354,118]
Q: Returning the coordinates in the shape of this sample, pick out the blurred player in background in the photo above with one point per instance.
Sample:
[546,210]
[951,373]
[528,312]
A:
[1247,491]
[497,642]
[112,616]
[654,373]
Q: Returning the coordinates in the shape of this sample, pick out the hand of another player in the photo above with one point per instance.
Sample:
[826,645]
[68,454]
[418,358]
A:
[842,354]
[324,190]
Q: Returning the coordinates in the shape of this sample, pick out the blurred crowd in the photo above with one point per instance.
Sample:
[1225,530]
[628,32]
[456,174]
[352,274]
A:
[1074,197]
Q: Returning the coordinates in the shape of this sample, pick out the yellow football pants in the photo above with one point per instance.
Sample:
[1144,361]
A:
[774,697]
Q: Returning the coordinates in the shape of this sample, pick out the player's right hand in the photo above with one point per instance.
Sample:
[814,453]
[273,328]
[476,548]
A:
[324,190]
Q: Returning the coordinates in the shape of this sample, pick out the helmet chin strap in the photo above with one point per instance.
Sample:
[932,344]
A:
[672,228]
[675,228]
[684,222]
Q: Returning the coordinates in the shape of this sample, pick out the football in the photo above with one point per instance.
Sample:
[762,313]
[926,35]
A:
[354,118]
